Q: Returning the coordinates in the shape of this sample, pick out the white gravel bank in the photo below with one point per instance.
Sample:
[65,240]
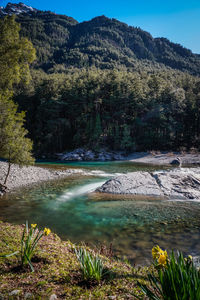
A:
[29,175]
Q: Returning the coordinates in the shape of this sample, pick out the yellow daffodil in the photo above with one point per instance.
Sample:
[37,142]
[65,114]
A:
[156,252]
[190,257]
[47,231]
[162,260]
[160,255]
[33,226]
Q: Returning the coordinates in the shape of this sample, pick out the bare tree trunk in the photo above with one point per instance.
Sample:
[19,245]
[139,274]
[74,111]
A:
[9,166]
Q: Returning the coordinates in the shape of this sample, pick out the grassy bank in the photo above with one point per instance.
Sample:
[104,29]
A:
[57,271]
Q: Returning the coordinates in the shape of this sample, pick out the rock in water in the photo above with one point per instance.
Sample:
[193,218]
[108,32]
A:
[176,162]
[136,183]
[176,184]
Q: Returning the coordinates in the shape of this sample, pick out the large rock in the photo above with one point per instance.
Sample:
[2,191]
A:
[90,155]
[137,183]
[75,155]
[176,184]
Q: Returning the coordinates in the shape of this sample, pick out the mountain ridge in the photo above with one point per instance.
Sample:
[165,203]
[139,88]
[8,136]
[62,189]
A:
[14,8]
[106,43]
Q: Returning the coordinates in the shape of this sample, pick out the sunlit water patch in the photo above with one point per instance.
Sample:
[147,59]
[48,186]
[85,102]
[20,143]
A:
[132,224]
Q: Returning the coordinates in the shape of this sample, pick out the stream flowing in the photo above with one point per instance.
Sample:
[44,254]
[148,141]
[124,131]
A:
[133,225]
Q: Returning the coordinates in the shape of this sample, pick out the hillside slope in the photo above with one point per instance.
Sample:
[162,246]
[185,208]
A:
[105,43]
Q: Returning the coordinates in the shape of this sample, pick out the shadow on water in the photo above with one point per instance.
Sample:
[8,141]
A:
[133,225]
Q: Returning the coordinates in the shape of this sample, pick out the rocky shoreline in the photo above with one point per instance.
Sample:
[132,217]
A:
[24,176]
[82,154]
[32,174]
[174,184]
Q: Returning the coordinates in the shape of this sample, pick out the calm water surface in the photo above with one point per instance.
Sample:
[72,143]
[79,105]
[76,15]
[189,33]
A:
[133,225]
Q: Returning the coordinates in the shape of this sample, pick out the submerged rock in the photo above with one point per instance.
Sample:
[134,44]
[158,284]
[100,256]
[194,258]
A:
[176,184]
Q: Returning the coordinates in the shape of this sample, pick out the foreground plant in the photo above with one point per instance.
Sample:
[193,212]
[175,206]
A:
[176,279]
[92,266]
[160,256]
[29,242]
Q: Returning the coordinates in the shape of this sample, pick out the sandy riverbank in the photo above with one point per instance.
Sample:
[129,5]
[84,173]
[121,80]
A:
[164,158]
[30,175]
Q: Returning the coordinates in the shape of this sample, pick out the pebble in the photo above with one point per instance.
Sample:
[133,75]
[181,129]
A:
[28,296]
[53,297]
[15,293]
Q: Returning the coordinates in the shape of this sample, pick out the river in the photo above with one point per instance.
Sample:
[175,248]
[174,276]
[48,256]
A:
[132,225]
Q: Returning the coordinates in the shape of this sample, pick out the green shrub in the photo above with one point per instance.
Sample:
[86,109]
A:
[92,266]
[177,279]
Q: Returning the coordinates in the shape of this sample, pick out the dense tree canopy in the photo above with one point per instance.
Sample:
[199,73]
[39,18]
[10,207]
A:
[120,110]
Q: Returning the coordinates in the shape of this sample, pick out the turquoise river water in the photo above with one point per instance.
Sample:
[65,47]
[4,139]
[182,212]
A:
[72,209]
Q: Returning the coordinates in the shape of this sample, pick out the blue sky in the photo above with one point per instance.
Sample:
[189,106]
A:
[177,20]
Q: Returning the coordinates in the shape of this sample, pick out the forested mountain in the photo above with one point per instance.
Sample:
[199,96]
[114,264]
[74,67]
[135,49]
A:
[104,43]
[102,83]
